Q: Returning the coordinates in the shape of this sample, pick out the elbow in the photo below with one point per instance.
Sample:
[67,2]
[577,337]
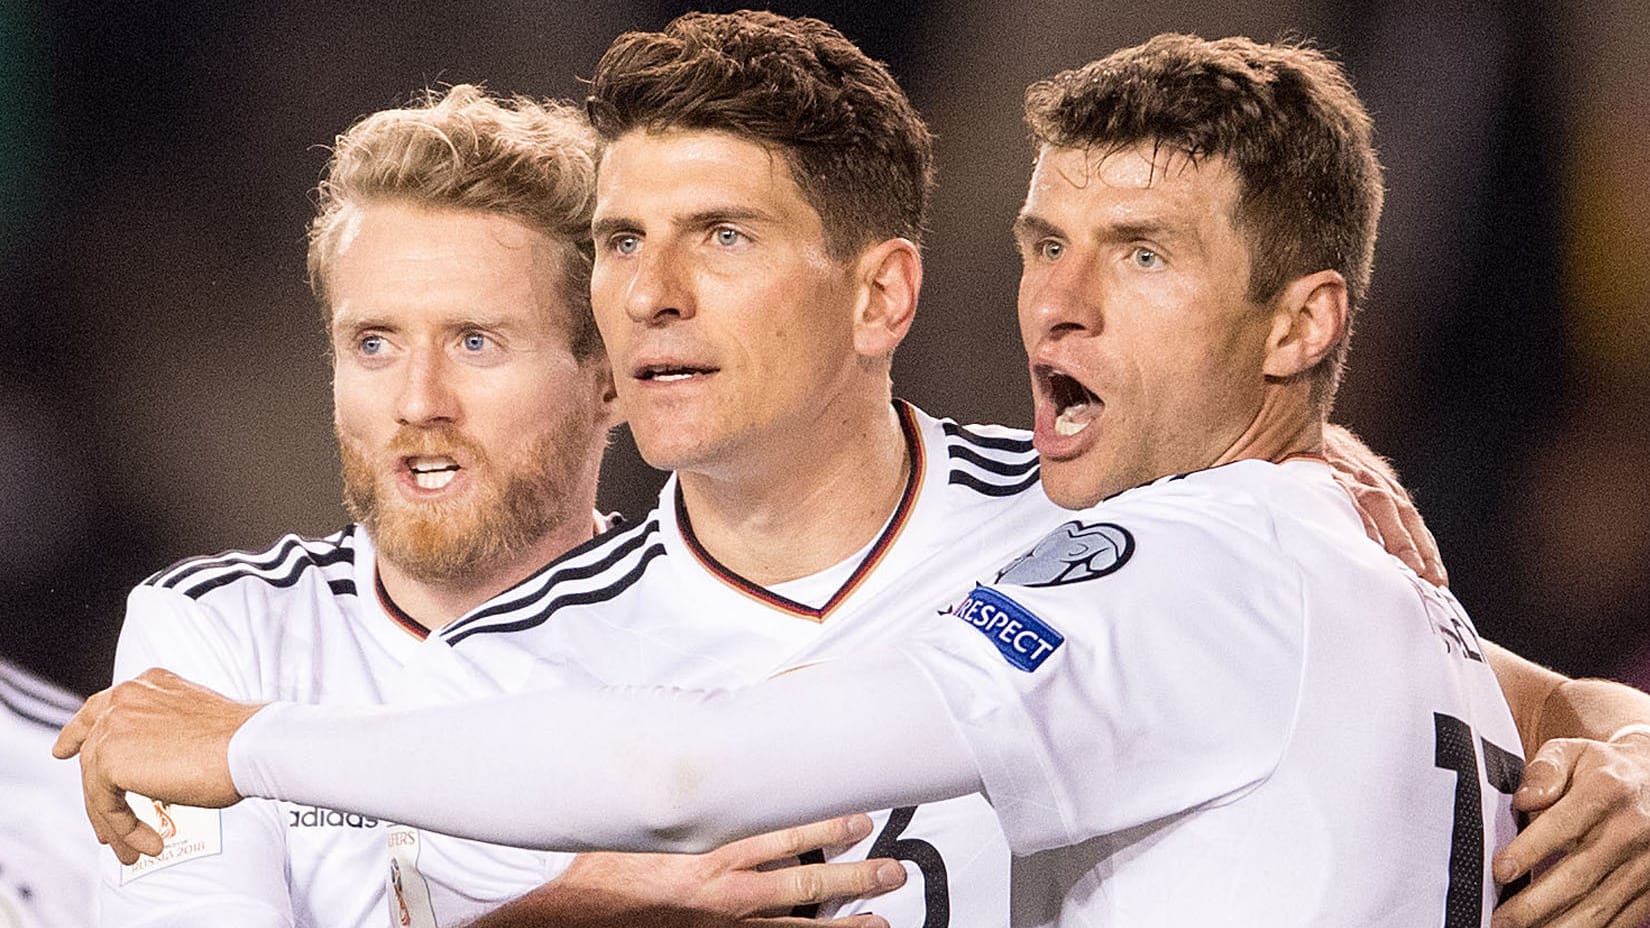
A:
[680,811]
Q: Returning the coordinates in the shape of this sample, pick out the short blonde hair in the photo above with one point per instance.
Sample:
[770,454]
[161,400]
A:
[533,161]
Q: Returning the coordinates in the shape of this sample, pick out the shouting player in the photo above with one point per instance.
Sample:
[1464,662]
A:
[682,252]
[472,402]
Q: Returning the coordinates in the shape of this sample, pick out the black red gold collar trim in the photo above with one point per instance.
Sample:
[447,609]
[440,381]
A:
[902,515]
[408,623]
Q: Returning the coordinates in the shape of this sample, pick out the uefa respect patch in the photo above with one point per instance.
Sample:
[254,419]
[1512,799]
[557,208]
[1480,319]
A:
[1025,640]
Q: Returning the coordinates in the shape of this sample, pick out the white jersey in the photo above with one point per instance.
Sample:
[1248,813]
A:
[647,606]
[1213,701]
[47,850]
[300,622]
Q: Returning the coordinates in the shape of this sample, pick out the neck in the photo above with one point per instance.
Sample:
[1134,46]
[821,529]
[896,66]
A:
[809,507]
[433,604]
[1284,426]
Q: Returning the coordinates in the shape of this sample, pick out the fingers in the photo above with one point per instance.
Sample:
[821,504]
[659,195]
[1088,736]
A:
[74,734]
[1635,915]
[1550,833]
[782,889]
[1571,894]
[115,823]
[1371,527]
[865,920]
[1547,775]
[859,879]
[1594,815]
[1426,546]
[125,834]
[791,842]
[1384,509]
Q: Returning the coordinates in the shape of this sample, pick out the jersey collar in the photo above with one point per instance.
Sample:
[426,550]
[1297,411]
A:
[867,565]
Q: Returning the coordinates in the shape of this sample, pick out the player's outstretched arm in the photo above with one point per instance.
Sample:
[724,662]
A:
[158,735]
[726,888]
[1588,784]
[607,769]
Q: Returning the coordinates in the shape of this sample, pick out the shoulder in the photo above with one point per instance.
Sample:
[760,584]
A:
[292,560]
[992,461]
[598,571]
[33,700]
[1223,511]
[1183,548]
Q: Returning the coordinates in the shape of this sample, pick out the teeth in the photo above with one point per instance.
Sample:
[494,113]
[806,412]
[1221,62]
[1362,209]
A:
[1069,421]
[671,377]
[433,479]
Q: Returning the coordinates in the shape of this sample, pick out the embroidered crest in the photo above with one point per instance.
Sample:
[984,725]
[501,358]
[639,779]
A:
[1072,553]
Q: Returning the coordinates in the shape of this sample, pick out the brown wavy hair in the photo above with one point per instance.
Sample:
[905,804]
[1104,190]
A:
[1284,116]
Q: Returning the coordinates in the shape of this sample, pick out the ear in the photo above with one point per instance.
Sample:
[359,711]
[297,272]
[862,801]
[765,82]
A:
[607,395]
[890,278]
[1308,319]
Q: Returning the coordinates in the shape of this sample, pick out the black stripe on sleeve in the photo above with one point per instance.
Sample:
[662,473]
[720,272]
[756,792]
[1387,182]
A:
[553,574]
[602,594]
[992,489]
[1006,468]
[997,442]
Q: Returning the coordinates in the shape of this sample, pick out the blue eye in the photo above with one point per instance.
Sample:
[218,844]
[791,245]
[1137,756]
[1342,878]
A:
[371,344]
[625,244]
[475,342]
[726,236]
[1146,258]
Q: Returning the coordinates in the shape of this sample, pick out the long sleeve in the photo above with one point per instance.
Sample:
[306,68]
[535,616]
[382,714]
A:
[581,768]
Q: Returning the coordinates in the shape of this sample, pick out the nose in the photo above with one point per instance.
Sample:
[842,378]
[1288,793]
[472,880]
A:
[426,395]
[659,290]
[1060,299]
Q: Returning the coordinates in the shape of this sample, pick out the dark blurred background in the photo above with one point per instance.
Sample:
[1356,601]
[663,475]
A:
[163,383]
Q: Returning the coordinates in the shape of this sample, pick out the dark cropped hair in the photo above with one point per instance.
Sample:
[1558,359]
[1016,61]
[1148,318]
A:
[856,148]
[1283,116]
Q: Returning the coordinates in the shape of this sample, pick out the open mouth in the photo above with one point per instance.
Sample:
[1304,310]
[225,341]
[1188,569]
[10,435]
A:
[432,473]
[671,373]
[1075,406]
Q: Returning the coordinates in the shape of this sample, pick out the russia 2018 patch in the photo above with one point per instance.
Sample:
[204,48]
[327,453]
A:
[1024,639]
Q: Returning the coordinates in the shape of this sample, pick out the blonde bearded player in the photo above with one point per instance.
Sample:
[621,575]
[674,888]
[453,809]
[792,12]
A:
[472,404]
[928,774]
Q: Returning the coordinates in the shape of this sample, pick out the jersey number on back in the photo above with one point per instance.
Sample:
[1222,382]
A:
[1457,751]
[936,891]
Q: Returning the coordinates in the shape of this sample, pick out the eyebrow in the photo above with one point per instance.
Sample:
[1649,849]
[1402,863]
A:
[607,225]
[1150,228]
[1029,225]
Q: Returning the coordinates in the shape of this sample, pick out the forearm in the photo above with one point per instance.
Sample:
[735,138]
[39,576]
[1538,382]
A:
[1548,705]
[622,769]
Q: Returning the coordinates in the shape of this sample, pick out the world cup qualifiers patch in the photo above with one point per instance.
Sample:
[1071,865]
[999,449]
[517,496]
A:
[1072,553]
[1023,638]
[186,832]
